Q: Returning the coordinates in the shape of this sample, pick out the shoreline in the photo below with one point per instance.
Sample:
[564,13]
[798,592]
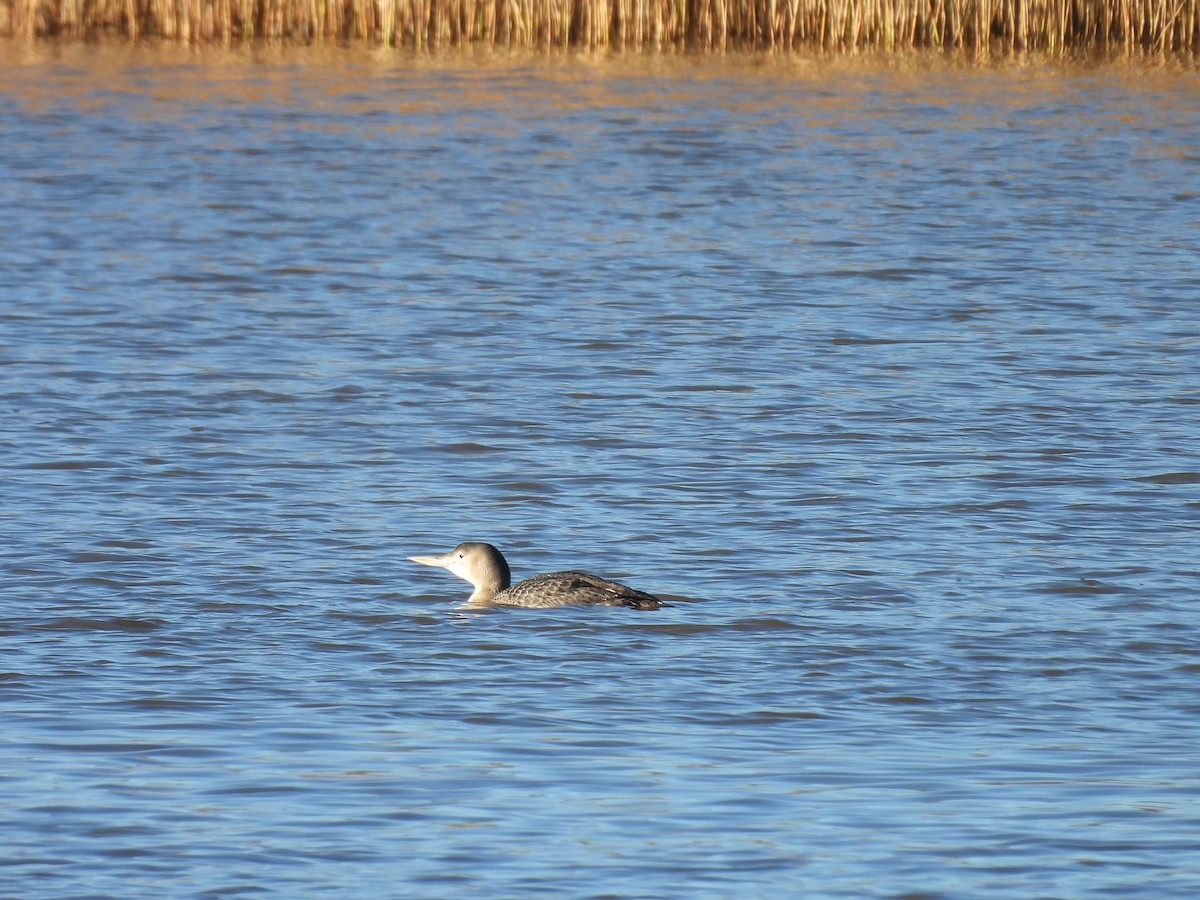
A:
[971,30]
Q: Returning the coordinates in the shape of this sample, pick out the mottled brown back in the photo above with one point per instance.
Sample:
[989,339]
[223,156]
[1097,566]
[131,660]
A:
[571,589]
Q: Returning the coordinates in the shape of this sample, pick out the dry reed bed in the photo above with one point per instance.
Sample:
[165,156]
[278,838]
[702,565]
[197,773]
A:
[979,26]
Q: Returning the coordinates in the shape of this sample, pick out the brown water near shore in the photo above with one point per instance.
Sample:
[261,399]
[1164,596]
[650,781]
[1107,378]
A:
[77,67]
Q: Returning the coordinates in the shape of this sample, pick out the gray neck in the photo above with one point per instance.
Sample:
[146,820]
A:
[490,578]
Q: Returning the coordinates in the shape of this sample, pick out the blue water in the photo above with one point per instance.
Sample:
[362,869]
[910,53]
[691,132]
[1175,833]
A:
[886,378]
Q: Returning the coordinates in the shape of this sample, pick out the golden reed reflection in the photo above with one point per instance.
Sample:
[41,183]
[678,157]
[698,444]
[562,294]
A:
[976,28]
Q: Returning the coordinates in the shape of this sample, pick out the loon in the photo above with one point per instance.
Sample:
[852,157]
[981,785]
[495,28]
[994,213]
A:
[487,570]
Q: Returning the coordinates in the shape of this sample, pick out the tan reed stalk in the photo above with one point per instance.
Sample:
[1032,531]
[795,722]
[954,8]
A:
[132,19]
[464,16]
[1170,27]
[490,26]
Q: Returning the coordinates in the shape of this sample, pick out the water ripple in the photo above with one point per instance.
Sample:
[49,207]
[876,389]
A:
[894,416]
